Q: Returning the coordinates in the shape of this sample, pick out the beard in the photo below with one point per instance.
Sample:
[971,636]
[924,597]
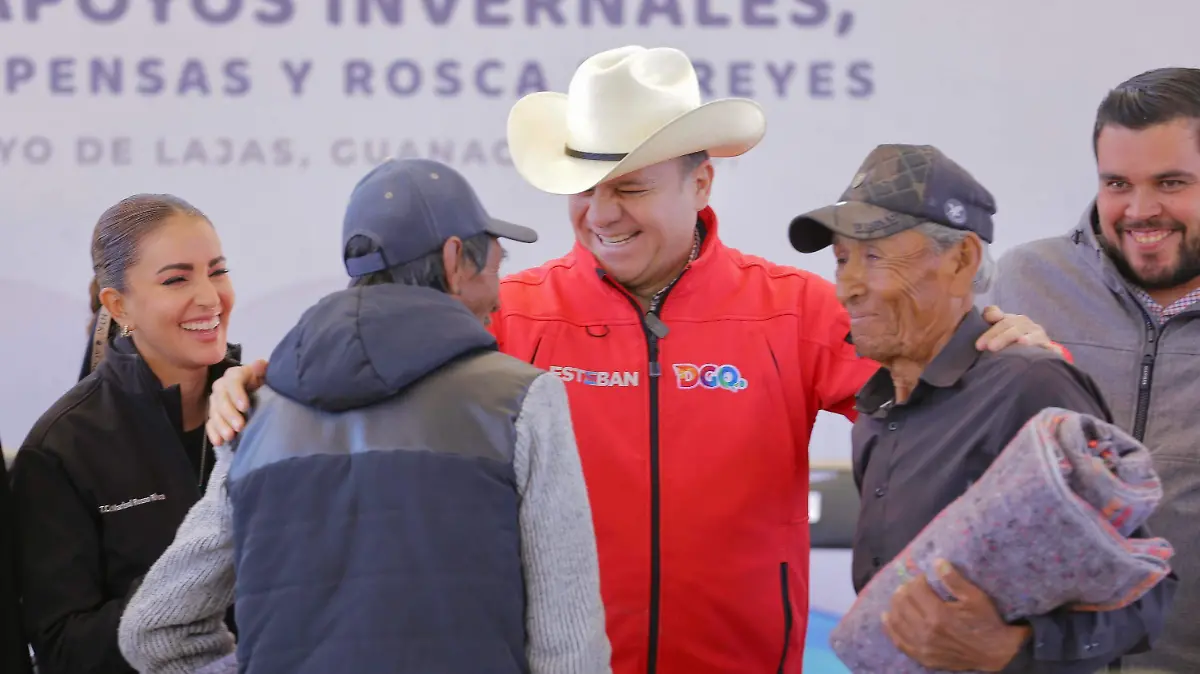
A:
[1164,278]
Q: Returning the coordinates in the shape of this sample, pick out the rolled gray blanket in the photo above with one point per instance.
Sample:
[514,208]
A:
[1046,526]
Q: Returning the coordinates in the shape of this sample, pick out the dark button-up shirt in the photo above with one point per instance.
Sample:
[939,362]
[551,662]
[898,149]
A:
[913,459]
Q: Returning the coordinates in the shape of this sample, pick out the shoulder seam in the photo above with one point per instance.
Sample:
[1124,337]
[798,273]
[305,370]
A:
[1050,363]
[773,269]
[539,278]
[49,425]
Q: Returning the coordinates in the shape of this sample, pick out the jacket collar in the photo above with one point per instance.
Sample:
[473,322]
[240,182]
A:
[944,371]
[126,368]
[1085,234]
[363,345]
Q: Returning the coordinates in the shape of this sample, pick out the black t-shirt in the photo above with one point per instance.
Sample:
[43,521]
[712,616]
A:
[196,446]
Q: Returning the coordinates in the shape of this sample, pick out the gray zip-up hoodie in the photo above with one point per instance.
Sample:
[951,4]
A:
[404,498]
[1150,376]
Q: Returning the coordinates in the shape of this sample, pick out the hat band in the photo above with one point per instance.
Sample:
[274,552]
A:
[595,156]
[366,264]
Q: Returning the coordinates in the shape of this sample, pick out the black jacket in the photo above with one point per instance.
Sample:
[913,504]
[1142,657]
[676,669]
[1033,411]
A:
[14,650]
[100,486]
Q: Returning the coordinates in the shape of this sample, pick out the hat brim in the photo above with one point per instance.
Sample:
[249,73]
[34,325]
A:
[815,230]
[507,230]
[537,141]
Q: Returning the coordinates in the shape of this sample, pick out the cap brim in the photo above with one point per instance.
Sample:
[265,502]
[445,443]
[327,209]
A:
[815,230]
[508,230]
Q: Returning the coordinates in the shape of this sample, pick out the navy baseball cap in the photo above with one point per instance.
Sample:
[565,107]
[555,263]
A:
[410,207]
[896,188]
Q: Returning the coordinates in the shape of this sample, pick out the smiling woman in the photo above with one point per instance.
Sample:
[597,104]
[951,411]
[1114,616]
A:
[161,275]
[106,476]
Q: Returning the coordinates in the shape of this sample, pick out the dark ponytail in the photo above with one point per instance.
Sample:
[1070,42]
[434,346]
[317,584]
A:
[94,296]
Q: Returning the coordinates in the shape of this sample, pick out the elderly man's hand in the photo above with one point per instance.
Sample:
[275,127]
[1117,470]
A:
[962,635]
[1009,329]
[230,399]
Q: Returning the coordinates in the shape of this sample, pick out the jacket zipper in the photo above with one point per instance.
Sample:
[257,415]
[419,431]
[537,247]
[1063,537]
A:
[655,496]
[203,462]
[654,329]
[1142,412]
[787,614]
[1145,378]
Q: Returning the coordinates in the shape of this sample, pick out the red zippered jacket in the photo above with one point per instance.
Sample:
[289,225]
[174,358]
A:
[694,443]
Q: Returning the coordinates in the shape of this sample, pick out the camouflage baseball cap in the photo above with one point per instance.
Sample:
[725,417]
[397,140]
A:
[897,188]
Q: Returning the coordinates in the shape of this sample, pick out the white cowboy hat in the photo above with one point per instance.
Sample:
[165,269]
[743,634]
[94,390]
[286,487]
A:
[625,109]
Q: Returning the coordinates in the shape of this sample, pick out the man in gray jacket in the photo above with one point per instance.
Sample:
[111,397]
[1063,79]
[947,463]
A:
[1121,290]
[404,497]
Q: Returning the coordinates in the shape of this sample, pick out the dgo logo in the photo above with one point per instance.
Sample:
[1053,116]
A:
[727,377]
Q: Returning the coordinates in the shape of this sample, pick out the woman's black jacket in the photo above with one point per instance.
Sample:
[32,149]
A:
[100,486]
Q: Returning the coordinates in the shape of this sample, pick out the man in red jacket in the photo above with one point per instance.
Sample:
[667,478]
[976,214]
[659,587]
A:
[694,372]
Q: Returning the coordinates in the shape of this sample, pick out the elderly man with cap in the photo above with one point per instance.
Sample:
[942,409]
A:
[695,372]
[404,498]
[910,236]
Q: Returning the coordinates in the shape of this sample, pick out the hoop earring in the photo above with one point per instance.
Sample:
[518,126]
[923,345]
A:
[125,331]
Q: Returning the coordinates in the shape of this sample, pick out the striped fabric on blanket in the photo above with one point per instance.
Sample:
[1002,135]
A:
[1046,526]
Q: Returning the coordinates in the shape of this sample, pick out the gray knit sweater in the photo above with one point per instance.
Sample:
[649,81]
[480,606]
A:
[174,623]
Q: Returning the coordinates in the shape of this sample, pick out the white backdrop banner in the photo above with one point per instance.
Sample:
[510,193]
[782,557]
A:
[264,113]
